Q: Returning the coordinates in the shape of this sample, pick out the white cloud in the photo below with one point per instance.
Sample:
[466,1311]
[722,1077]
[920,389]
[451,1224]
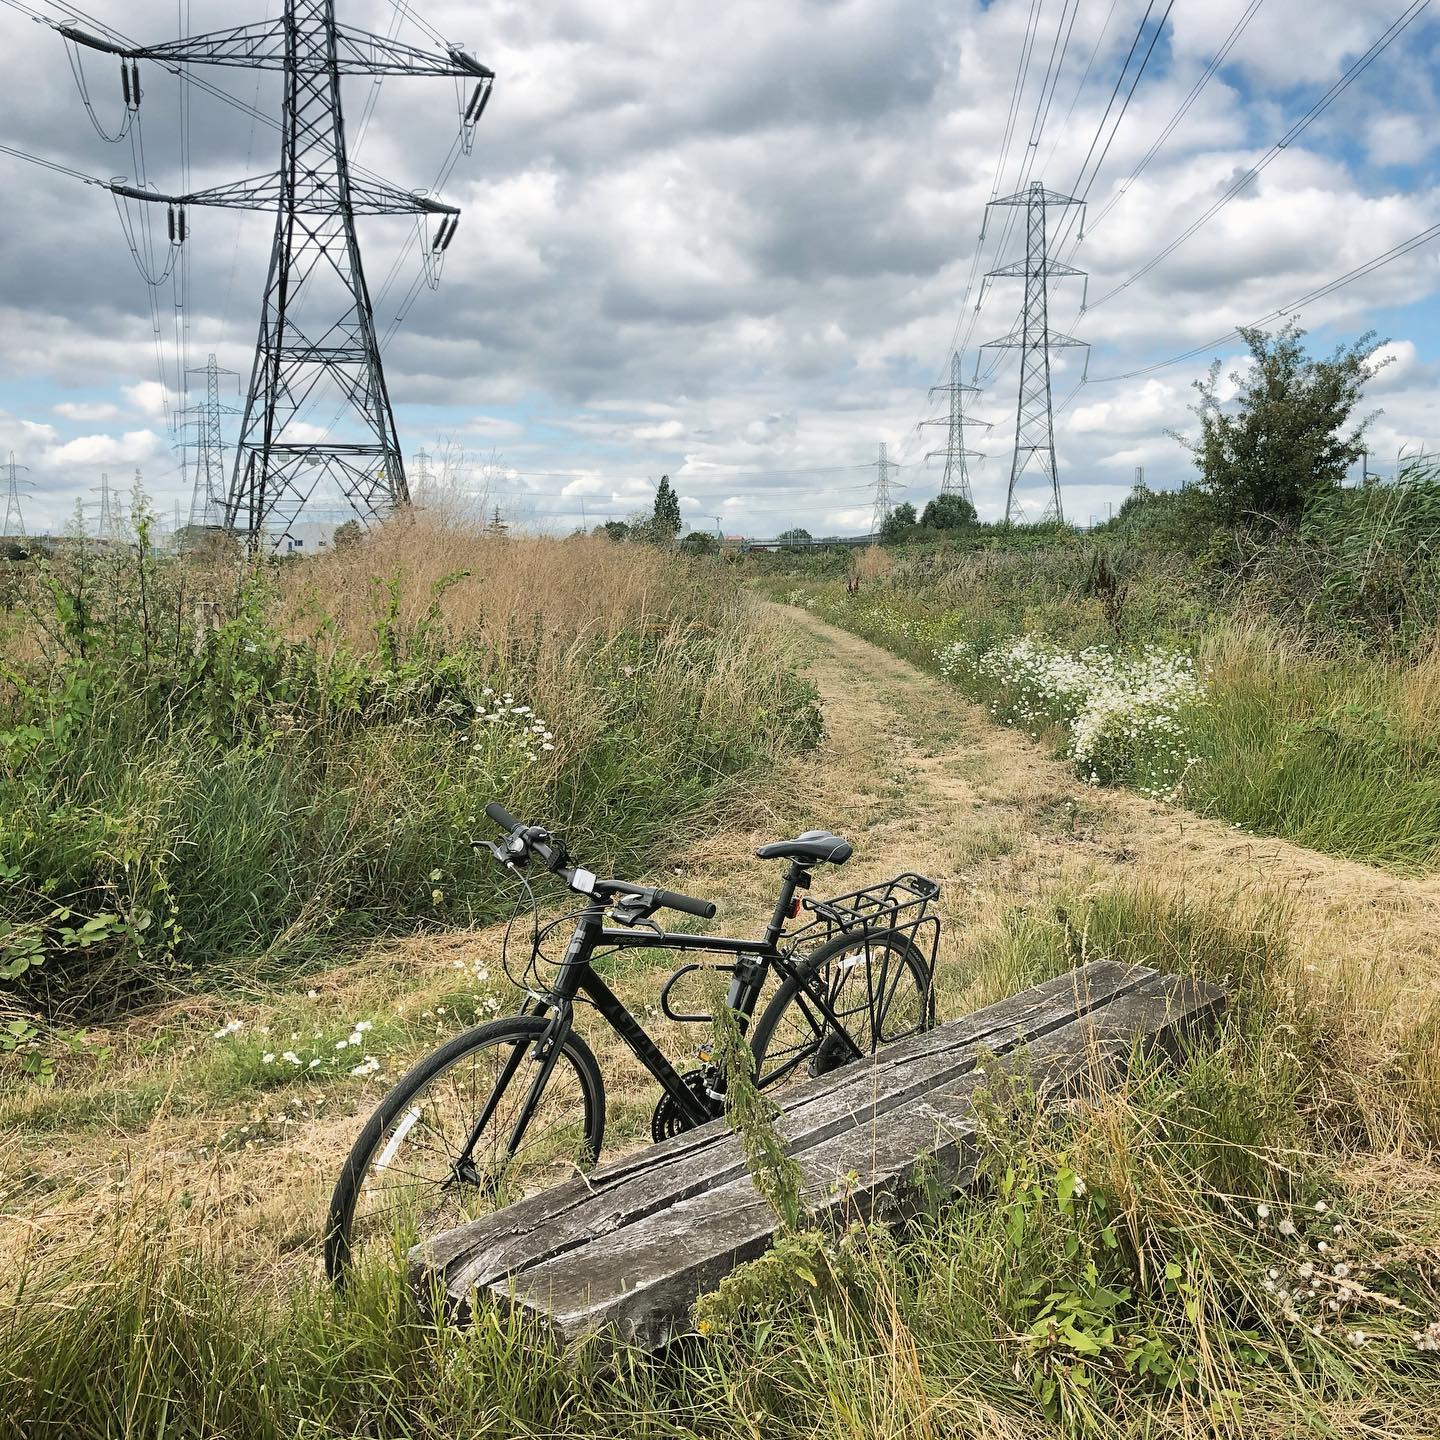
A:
[1396,140]
[134,447]
[86,410]
[149,397]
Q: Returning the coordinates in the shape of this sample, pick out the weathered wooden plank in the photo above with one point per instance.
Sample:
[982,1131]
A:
[640,1280]
[555,1222]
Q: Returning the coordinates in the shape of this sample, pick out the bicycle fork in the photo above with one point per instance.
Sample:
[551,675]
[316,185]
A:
[545,1052]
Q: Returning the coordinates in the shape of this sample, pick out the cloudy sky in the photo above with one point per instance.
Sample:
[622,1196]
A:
[735,242]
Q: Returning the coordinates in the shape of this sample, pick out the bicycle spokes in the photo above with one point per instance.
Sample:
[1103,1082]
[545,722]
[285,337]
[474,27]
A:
[438,1167]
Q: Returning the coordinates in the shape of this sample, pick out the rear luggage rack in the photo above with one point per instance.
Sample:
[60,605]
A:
[901,905]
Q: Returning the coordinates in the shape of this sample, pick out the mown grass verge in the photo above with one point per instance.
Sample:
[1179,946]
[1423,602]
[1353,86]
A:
[1243,1245]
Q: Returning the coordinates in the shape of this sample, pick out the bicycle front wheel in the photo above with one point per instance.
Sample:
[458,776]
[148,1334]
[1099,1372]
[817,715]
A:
[414,1170]
[878,987]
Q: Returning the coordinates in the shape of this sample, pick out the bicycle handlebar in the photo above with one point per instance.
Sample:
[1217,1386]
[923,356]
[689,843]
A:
[534,838]
[688,904]
[501,816]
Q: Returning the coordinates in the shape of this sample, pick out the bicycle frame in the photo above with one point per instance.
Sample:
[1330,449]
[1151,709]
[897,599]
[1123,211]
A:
[577,977]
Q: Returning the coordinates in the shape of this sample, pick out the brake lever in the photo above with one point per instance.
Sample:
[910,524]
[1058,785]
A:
[632,915]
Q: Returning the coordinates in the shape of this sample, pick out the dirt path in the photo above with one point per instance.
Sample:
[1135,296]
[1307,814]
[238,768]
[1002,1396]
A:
[915,775]
[919,776]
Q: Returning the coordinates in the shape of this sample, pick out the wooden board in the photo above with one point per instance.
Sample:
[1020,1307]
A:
[630,1246]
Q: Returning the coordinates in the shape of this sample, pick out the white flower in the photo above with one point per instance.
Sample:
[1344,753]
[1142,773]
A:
[1341,1270]
[1263,1211]
[1287,1227]
[268,1058]
[290,1058]
[230,1027]
[368,1066]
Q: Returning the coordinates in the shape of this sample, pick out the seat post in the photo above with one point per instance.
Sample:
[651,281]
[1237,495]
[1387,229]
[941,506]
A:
[797,877]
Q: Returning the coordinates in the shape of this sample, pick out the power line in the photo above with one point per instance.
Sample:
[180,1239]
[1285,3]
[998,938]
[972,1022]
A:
[1273,153]
[54,165]
[1319,293]
[1216,61]
[1129,96]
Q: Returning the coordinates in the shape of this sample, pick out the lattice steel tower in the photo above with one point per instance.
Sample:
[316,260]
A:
[14,525]
[315,261]
[956,479]
[1034,414]
[883,503]
[207,495]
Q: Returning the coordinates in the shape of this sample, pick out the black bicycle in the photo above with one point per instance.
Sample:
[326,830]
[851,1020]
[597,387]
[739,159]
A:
[518,1104]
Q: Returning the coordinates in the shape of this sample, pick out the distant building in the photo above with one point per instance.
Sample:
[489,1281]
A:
[304,537]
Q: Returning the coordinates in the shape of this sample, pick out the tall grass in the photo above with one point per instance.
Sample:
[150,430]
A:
[211,772]
[1160,1261]
[1341,753]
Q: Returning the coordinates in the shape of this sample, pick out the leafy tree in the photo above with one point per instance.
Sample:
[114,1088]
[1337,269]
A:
[948,512]
[898,524]
[665,522]
[1285,443]
[348,535]
[796,538]
[699,542]
[616,530]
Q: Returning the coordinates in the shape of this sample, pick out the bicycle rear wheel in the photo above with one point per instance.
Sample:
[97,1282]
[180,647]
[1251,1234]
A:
[877,986]
[407,1176]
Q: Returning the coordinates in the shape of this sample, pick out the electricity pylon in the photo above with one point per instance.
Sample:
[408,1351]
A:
[314,262]
[956,479]
[14,520]
[883,501]
[105,525]
[1034,414]
[424,478]
[207,495]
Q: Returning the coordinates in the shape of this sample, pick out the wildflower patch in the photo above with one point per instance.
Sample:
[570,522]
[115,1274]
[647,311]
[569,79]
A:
[1124,714]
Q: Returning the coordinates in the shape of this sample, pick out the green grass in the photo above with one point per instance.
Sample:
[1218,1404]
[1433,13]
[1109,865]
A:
[1137,1302]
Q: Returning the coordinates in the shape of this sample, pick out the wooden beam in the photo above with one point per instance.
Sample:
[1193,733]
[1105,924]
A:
[630,1251]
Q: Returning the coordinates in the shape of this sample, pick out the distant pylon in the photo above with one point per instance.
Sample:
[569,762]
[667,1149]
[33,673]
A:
[105,525]
[207,494]
[424,487]
[1034,416]
[14,519]
[956,479]
[883,501]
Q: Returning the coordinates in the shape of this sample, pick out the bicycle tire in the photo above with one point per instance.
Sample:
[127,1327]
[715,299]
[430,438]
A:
[805,1050]
[401,1108]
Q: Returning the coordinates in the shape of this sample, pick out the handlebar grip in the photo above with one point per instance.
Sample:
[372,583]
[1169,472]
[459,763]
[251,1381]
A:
[674,900]
[501,816]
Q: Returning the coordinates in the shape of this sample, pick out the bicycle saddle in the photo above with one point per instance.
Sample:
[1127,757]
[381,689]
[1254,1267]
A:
[812,846]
